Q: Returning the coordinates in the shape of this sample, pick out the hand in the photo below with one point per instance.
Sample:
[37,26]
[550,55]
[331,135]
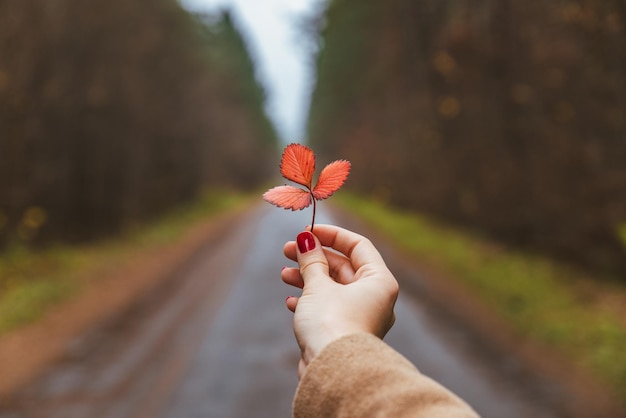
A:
[345,291]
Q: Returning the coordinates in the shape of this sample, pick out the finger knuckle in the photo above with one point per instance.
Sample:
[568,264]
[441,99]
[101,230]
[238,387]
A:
[313,264]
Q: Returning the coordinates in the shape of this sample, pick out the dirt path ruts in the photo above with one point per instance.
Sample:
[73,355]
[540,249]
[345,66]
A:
[543,373]
[24,353]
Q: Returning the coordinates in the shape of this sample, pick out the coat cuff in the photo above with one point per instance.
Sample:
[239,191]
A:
[359,375]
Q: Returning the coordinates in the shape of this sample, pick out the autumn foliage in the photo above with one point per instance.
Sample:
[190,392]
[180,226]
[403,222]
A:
[298,165]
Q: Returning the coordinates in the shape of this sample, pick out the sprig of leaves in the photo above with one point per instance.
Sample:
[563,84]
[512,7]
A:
[298,165]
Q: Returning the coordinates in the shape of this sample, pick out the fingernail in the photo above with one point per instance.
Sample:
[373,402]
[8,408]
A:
[306,242]
[282,268]
[288,297]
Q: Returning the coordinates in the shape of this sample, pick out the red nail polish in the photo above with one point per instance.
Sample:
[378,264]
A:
[306,242]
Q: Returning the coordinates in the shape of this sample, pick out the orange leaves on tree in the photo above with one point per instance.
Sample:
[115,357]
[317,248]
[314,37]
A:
[298,165]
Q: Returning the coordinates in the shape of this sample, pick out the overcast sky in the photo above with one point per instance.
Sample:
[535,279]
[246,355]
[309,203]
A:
[281,52]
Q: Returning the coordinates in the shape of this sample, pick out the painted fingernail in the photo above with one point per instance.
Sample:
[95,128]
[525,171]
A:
[306,242]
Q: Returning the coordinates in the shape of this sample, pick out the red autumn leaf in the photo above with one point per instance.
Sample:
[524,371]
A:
[298,164]
[331,179]
[288,197]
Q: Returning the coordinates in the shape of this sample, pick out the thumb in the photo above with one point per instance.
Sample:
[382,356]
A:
[311,259]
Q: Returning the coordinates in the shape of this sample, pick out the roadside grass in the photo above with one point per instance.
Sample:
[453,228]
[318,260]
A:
[32,281]
[621,231]
[542,299]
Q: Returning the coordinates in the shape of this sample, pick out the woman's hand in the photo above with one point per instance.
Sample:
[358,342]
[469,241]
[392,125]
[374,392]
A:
[346,288]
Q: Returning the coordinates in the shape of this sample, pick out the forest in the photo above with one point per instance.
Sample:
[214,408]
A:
[112,112]
[505,117]
[487,142]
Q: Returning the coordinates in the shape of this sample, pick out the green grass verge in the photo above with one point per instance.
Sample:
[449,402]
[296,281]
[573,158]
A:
[537,296]
[621,231]
[31,282]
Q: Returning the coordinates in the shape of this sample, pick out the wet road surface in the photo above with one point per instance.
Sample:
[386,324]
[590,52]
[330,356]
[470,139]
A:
[217,342]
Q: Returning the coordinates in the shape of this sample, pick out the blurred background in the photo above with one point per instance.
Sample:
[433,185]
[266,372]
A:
[504,116]
[114,112]
[500,122]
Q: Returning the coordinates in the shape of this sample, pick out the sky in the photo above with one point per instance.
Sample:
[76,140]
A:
[281,51]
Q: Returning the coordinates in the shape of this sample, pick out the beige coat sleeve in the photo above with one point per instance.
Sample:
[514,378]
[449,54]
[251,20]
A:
[361,376]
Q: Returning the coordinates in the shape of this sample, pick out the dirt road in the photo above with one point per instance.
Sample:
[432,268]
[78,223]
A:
[217,342]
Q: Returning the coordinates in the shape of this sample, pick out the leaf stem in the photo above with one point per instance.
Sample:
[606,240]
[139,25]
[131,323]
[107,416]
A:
[314,207]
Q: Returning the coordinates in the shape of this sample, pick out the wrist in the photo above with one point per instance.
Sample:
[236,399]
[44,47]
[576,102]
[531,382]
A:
[323,340]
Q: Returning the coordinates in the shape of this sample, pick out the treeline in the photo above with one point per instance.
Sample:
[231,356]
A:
[112,111]
[506,116]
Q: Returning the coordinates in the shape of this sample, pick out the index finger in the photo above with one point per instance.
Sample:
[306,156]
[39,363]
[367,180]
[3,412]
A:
[357,248]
